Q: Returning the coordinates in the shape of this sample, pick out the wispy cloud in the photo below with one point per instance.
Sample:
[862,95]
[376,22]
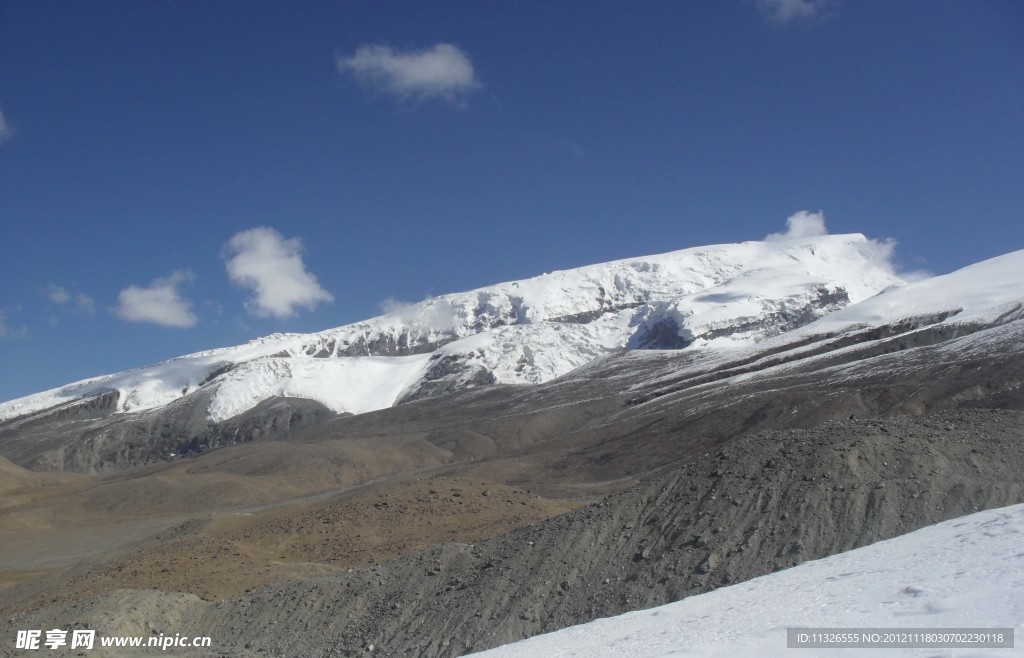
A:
[806,224]
[443,71]
[86,304]
[432,312]
[61,297]
[785,12]
[6,331]
[802,224]
[271,267]
[572,148]
[57,294]
[160,303]
[6,131]
[913,276]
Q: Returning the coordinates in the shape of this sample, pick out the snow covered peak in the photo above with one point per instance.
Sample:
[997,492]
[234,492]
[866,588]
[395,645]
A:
[852,259]
[526,331]
[979,292]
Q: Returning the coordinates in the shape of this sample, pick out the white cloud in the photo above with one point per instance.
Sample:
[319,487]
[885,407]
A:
[790,11]
[6,131]
[443,71]
[806,224]
[397,307]
[57,294]
[61,297]
[161,303]
[913,276]
[431,312]
[86,304]
[881,252]
[803,224]
[261,260]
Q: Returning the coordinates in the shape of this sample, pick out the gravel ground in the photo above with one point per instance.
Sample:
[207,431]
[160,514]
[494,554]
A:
[754,504]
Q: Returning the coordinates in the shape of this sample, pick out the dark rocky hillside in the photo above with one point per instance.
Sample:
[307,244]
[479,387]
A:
[757,503]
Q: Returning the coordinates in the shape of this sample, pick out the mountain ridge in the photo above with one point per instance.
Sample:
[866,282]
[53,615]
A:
[564,319]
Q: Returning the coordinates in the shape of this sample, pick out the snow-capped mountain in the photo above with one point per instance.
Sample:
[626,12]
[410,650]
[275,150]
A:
[643,329]
[520,332]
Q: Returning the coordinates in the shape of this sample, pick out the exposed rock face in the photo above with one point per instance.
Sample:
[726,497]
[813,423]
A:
[104,442]
[586,317]
[668,331]
[448,373]
[399,343]
[272,419]
[664,334]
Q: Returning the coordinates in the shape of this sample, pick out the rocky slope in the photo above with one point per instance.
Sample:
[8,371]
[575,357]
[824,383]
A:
[756,503]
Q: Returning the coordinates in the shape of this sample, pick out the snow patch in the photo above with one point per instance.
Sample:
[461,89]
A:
[355,384]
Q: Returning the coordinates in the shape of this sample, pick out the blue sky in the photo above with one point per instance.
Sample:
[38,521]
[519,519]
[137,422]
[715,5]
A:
[176,176]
